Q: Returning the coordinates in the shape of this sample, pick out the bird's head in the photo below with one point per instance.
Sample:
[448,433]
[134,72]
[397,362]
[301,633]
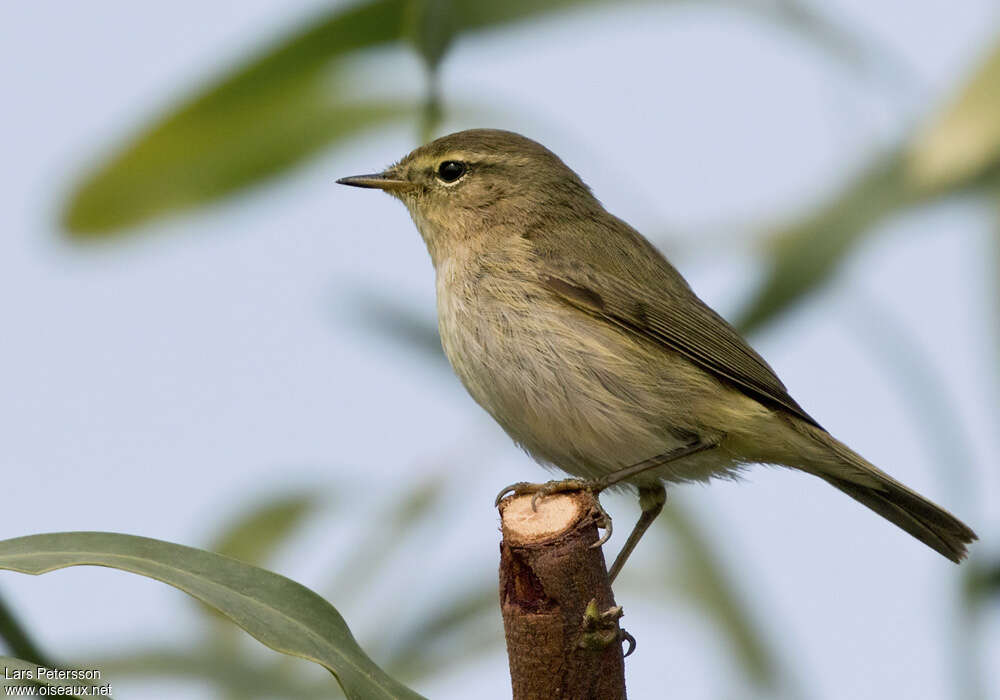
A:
[481,184]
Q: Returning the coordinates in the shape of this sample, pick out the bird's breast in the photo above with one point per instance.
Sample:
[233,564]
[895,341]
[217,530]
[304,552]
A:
[488,337]
[572,391]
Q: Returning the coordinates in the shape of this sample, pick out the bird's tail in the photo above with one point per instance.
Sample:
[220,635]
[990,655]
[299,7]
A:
[907,509]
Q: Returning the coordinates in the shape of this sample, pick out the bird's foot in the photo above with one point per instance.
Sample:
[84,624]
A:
[549,488]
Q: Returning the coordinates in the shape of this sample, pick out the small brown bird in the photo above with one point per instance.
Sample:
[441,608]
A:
[592,351]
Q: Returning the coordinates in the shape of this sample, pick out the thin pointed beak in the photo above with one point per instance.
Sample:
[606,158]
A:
[379,181]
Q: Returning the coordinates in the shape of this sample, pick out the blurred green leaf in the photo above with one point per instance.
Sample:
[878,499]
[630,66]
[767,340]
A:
[926,395]
[415,504]
[269,114]
[189,161]
[433,25]
[257,533]
[960,152]
[278,612]
[283,106]
[451,633]
[993,287]
[261,119]
[705,580]
[17,639]
[12,665]
[371,552]
[963,141]
[982,583]
[801,259]
[389,318]
[242,676]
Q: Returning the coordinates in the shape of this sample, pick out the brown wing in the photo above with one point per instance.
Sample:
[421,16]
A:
[676,318]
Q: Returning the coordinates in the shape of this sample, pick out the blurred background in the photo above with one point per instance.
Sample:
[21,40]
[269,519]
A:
[207,341]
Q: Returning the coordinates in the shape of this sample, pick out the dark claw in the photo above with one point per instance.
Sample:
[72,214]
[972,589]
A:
[502,495]
[538,491]
[509,490]
[630,640]
[605,524]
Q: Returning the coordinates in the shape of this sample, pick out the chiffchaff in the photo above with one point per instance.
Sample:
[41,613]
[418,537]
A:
[591,350]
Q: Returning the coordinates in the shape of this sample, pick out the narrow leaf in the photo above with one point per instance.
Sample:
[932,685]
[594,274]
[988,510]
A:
[256,534]
[803,258]
[371,552]
[926,395]
[192,160]
[459,620]
[480,16]
[708,584]
[399,324]
[280,613]
[268,114]
[232,674]
[981,583]
[264,117]
[17,638]
[993,290]
[963,141]
[277,109]
[433,25]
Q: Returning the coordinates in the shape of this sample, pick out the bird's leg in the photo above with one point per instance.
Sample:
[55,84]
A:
[597,485]
[616,477]
[651,496]
[651,500]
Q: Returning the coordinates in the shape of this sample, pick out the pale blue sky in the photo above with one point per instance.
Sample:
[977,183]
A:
[154,385]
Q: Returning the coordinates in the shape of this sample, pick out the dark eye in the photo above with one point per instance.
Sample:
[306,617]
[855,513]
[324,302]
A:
[451,170]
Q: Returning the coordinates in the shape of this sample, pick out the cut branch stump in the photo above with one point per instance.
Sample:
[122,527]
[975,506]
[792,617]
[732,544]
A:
[559,613]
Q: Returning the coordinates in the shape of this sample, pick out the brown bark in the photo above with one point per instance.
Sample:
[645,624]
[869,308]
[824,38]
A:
[559,614]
